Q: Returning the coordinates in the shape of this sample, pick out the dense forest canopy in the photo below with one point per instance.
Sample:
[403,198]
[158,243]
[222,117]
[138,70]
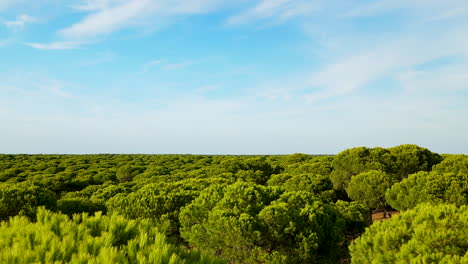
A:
[235,209]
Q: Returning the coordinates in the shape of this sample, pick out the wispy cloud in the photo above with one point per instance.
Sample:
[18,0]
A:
[275,9]
[352,73]
[93,5]
[437,8]
[388,60]
[178,65]
[208,88]
[20,22]
[149,65]
[394,56]
[108,16]
[165,65]
[59,45]
[108,19]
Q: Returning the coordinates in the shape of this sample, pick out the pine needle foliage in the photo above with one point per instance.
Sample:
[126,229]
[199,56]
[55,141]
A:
[57,238]
[427,234]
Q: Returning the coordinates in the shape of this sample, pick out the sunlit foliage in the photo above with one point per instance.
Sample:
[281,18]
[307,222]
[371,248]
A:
[425,234]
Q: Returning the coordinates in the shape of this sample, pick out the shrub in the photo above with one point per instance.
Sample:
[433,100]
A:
[55,238]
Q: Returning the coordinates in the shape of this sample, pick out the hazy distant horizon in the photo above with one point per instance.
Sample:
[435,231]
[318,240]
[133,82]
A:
[196,154]
[232,77]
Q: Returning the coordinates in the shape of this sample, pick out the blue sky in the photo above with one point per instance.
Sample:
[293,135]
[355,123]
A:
[232,77]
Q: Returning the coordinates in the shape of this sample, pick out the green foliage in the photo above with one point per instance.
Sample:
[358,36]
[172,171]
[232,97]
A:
[409,159]
[255,169]
[398,161]
[128,172]
[427,234]
[354,161]
[446,183]
[99,193]
[319,185]
[297,158]
[249,223]
[321,165]
[247,209]
[356,216]
[160,201]
[369,188]
[80,205]
[9,173]
[55,238]
[22,199]
[409,192]
[457,164]
[434,187]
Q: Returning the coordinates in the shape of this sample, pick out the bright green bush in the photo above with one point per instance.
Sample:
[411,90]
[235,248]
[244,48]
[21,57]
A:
[356,215]
[128,172]
[23,199]
[80,205]
[160,201]
[409,159]
[457,164]
[254,169]
[354,161]
[433,187]
[310,165]
[369,188]
[399,161]
[55,238]
[428,234]
[250,223]
[319,185]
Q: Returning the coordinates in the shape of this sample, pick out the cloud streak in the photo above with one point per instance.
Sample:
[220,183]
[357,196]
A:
[108,16]
[163,64]
[108,19]
[20,22]
[395,56]
[59,45]
[433,8]
[281,10]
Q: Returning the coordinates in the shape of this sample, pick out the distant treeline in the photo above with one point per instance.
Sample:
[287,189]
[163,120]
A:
[235,209]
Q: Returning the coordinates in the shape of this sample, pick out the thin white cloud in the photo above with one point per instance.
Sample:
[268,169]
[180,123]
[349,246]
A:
[112,15]
[93,5]
[178,65]
[169,66]
[208,88]
[352,73]
[449,8]
[274,9]
[388,59]
[149,65]
[59,45]
[108,20]
[20,22]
